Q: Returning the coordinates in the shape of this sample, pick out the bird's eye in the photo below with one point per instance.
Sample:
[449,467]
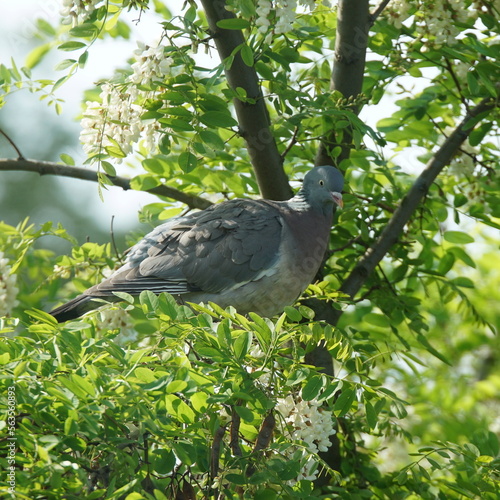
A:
[321,182]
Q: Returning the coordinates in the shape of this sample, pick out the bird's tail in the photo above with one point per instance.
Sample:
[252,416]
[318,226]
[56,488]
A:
[75,308]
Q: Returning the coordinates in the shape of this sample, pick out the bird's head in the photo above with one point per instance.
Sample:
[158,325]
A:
[322,188]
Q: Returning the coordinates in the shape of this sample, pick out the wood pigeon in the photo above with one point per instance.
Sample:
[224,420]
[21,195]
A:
[254,255]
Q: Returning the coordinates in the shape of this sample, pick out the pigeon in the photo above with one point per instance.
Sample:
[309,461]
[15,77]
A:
[255,255]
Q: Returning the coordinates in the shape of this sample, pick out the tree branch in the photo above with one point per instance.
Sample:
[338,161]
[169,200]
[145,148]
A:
[409,204]
[353,22]
[378,10]
[20,156]
[49,168]
[253,118]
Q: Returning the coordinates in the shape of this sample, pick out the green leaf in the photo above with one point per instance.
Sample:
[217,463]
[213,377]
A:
[187,161]
[42,316]
[246,414]
[149,301]
[145,374]
[178,408]
[242,344]
[163,461]
[115,149]
[478,134]
[376,320]
[85,30]
[236,479]
[73,386]
[473,83]
[199,401]
[212,139]
[69,46]
[313,387]
[261,330]
[463,282]
[144,182]
[83,384]
[462,255]
[458,237]
[298,375]
[293,314]
[344,401]
[218,119]
[431,349]
[446,263]
[247,55]
[125,296]
[233,24]
[67,159]
[37,54]
[82,60]
[486,71]
[176,386]
[157,165]
[108,168]
[371,415]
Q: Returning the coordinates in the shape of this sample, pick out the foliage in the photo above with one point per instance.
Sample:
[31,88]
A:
[149,399]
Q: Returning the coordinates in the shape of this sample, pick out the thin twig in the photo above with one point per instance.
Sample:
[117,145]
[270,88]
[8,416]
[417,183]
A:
[376,13]
[350,243]
[292,143]
[50,168]
[381,205]
[13,144]
[252,114]
[113,241]
[451,71]
[409,204]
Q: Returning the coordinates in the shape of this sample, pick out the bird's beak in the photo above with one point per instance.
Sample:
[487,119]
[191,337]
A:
[337,198]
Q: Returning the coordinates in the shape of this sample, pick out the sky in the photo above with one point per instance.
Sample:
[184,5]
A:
[17,33]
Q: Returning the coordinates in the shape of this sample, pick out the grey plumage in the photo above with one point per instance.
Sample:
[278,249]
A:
[256,255]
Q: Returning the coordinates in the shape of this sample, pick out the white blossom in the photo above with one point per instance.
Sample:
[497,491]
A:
[8,287]
[116,318]
[435,22]
[310,423]
[263,10]
[462,165]
[151,64]
[62,271]
[76,12]
[118,116]
[285,13]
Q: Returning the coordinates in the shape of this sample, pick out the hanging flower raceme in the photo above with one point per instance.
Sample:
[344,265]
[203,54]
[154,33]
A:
[436,22]
[76,12]
[8,287]
[116,120]
[151,64]
[285,13]
[307,421]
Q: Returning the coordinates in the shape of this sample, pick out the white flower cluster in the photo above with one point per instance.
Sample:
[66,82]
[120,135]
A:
[436,20]
[118,117]
[285,14]
[117,319]
[8,287]
[462,165]
[76,12]
[150,64]
[309,423]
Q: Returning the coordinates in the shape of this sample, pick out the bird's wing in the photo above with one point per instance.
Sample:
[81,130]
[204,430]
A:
[209,251]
